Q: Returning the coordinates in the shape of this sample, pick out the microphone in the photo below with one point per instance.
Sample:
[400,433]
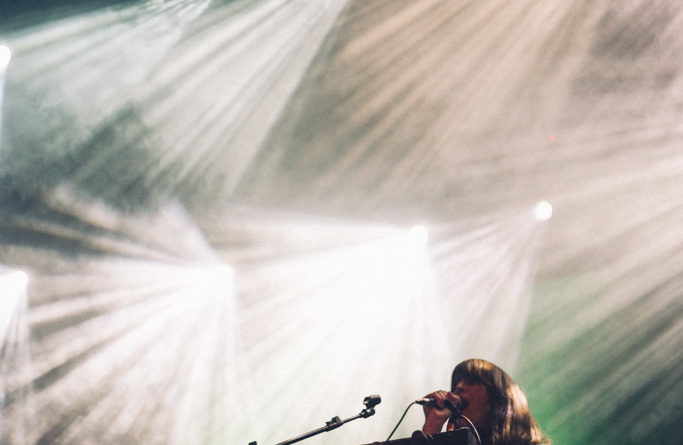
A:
[429,401]
[372,401]
[455,407]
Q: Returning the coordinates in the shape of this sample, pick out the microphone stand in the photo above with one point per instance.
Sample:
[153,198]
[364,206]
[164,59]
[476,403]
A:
[370,402]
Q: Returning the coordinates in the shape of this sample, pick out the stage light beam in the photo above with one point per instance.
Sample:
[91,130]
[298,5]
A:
[420,234]
[15,356]
[5,56]
[14,287]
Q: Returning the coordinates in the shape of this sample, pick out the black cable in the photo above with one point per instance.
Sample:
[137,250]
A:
[400,420]
[471,425]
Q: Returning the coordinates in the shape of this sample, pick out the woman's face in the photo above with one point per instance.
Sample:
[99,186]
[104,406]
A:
[475,395]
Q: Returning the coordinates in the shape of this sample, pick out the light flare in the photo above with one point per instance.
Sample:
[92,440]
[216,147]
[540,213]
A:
[543,211]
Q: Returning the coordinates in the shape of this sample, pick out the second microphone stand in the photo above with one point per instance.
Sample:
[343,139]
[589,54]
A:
[370,402]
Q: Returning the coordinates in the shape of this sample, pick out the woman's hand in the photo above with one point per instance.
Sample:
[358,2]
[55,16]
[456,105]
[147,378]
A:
[436,416]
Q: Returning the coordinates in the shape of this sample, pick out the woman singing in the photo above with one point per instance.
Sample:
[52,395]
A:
[490,400]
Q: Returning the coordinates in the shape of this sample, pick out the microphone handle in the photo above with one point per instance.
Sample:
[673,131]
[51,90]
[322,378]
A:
[455,409]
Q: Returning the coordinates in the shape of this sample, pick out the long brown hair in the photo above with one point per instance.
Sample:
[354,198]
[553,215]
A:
[509,416]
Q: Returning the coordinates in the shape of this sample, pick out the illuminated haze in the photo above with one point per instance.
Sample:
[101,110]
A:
[226,221]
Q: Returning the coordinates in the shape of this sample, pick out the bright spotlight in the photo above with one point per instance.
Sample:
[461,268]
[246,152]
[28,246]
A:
[14,281]
[419,234]
[21,278]
[5,55]
[543,211]
[13,292]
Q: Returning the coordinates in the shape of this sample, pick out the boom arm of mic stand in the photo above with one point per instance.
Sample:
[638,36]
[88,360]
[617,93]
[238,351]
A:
[335,422]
